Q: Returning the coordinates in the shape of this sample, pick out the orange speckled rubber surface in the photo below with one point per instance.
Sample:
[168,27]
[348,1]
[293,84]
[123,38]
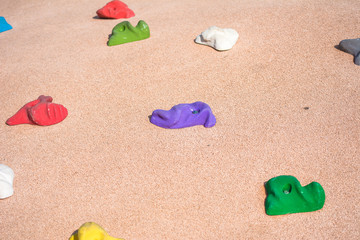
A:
[285,99]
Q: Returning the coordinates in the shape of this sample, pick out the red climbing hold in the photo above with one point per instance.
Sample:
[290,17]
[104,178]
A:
[39,112]
[115,9]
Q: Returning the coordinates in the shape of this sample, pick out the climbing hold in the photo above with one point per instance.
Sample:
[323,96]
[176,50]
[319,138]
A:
[286,195]
[6,181]
[219,38]
[351,46]
[124,32]
[91,231]
[4,26]
[184,115]
[39,112]
[115,9]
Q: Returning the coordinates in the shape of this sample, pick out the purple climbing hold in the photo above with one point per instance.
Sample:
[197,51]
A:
[184,115]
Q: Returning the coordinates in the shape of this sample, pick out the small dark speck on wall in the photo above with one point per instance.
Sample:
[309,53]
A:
[306,108]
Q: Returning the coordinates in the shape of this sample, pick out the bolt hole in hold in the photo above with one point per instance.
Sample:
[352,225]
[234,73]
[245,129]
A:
[287,189]
[195,112]
[122,28]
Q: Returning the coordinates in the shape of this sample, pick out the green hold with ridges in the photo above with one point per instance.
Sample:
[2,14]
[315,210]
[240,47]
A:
[124,32]
[286,195]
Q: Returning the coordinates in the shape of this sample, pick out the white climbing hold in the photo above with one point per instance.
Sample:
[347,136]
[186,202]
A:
[219,38]
[6,181]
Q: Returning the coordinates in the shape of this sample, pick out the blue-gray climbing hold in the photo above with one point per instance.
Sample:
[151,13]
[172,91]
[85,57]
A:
[351,46]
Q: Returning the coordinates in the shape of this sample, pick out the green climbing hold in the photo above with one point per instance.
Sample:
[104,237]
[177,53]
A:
[286,195]
[124,32]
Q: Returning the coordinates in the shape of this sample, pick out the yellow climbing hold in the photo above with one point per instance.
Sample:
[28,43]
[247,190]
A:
[91,231]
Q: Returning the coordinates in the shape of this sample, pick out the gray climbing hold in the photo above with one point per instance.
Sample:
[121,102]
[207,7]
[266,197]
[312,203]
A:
[351,46]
